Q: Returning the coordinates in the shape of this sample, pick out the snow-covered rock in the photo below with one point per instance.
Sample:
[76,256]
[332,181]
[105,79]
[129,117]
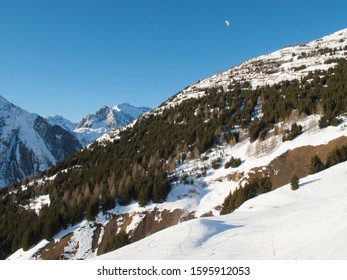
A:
[61,121]
[29,144]
[106,119]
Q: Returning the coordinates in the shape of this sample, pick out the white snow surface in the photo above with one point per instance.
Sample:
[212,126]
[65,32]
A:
[80,245]
[37,203]
[28,255]
[62,122]
[310,223]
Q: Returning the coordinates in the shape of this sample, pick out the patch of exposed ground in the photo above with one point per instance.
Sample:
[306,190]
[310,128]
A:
[96,236]
[295,162]
[54,250]
[150,223]
[117,223]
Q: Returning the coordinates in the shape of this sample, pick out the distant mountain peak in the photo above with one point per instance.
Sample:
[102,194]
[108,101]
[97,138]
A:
[29,144]
[110,118]
[61,121]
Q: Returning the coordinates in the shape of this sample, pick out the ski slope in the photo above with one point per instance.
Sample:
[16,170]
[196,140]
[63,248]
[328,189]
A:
[310,223]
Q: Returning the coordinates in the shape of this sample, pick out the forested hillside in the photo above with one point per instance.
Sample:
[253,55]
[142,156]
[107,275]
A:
[144,162]
[141,163]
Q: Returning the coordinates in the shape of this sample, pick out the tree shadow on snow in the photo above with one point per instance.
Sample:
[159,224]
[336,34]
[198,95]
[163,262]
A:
[309,182]
[216,227]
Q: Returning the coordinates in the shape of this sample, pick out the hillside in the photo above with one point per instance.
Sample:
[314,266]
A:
[310,223]
[28,144]
[208,149]
[187,201]
[287,64]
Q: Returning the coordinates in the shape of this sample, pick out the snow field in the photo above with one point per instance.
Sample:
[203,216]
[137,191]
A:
[310,223]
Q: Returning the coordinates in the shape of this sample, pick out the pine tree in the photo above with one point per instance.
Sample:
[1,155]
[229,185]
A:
[117,241]
[294,182]
[316,165]
[144,195]
[92,208]
[161,189]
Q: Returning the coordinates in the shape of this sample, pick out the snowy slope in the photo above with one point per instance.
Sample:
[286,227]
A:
[28,144]
[106,119]
[310,223]
[204,196]
[264,220]
[61,121]
[288,63]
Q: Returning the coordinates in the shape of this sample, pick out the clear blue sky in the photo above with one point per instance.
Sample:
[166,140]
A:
[69,57]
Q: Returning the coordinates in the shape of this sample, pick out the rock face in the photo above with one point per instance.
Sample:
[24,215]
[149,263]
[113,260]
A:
[106,119]
[29,144]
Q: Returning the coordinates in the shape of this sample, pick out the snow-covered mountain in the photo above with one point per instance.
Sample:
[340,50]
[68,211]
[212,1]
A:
[28,144]
[290,63]
[62,122]
[309,223]
[106,119]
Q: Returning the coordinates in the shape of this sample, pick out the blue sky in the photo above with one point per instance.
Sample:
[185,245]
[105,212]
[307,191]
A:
[69,57]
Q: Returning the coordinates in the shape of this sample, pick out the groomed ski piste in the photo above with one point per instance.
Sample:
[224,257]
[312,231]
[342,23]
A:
[309,223]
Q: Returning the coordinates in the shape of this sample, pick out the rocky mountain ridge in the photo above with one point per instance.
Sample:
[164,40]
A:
[106,119]
[29,144]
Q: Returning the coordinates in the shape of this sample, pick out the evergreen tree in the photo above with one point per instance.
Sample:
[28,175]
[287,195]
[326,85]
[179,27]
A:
[107,202]
[144,195]
[161,189]
[294,183]
[316,165]
[92,208]
[117,241]
[51,225]
[241,194]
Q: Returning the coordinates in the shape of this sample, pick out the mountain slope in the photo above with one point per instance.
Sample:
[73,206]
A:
[106,119]
[186,159]
[29,145]
[310,223]
[286,64]
[62,122]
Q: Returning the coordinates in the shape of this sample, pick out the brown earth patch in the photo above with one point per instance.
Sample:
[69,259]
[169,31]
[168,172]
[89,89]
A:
[295,162]
[235,176]
[150,223]
[96,236]
[112,228]
[208,214]
[187,217]
[54,250]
